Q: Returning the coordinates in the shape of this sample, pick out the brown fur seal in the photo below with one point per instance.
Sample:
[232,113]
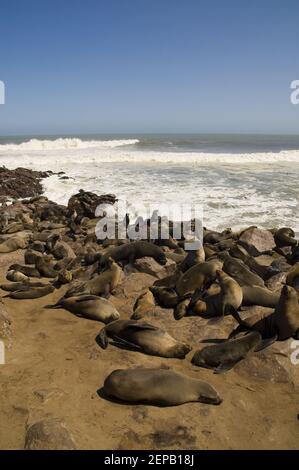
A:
[103,284]
[89,306]
[17,286]
[144,337]
[196,276]
[13,244]
[292,278]
[45,266]
[239,271]
[129,252]
[181,309]
[144,304]
[165,296]
[158,387]
[30,256]
[285,237]
[32,292]
[29,271]
[225,355]
[193,257]
[231,294]
[16,276]
[256,295]
[282,324]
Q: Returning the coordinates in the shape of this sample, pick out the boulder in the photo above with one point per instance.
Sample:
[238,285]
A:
[261,240]
[49,434]
[84,203]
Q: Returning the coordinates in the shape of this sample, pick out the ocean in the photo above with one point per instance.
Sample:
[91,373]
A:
[239,180]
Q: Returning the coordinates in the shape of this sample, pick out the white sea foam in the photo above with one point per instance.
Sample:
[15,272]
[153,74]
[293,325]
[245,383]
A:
[64,143]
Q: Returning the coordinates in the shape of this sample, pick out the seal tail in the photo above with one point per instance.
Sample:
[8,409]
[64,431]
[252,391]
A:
[102,339]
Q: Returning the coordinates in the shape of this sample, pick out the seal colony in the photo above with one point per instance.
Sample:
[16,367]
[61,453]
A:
[232,272]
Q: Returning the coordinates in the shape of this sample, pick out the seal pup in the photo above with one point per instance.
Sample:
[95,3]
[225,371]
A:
[31,292]
[103,284]
[225,355]
[196,276]
[160,387]
[89,306]
[144,304]
[16,276]
[29,271]
[143,337]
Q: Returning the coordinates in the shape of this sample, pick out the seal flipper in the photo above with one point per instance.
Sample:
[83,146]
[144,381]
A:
[124,342]
[265,343]
[225,367]
[102,339]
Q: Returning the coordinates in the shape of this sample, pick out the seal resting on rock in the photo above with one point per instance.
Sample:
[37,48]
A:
[129,252]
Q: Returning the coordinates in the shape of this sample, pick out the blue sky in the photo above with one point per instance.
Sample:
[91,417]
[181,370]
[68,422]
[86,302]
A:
[89,66]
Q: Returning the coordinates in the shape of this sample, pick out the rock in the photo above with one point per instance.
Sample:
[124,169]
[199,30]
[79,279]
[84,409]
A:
[150,266]
[276,282]
[49,434]
[261,240]
[85,203]
[272,364]
[21,182]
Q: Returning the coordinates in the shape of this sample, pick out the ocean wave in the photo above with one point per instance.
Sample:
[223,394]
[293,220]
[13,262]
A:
[65,143]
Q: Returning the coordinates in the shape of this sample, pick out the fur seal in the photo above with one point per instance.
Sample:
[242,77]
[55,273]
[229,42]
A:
[130,252]
[193,257]
[89,306]
[30,256]
[144,337]
[282,324]
[239,271]
[160,387]
[103,284]
[292,278]
[196,276]
[17,286]
[45,266]
[224,356]
[285,237]
[16,276]
[181,309]
[13,244]
[144,304]
[231,294]
[256,295]
[29,271]
[165,296]
[32,292]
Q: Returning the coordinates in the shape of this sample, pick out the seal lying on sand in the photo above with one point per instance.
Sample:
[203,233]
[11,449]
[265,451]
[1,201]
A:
[89,306]
[165,296]
[13,244]
[31,292]
[144,337]
[224,356]
[158,387]
[103,284]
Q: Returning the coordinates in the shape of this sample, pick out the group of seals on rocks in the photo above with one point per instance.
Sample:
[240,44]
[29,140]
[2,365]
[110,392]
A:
[230,272]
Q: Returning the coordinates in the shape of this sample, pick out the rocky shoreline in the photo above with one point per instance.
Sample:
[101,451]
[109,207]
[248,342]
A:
[167,306]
